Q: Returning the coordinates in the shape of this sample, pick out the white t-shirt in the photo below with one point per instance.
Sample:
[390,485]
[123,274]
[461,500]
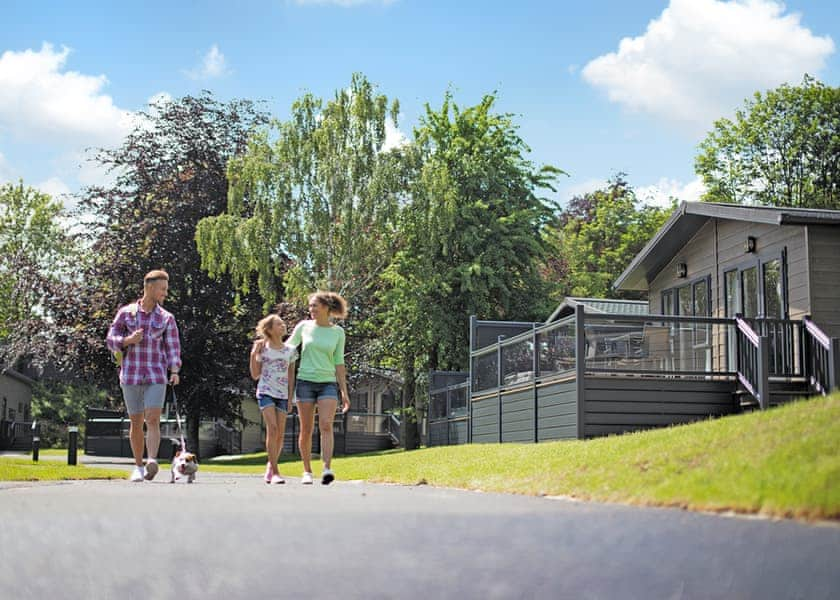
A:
[274,378]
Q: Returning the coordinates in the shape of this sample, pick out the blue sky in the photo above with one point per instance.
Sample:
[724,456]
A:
[597,87]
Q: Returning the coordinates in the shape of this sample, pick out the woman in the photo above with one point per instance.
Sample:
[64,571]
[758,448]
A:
[273,367]
[320,378]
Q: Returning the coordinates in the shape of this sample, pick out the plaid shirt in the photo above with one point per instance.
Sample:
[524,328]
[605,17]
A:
[146,362]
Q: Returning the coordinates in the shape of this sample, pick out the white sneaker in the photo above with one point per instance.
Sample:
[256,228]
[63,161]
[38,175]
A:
[137,474]
[307,478]
[151,469]
[327,477]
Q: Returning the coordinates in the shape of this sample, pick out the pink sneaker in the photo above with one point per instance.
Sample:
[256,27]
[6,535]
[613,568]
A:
[269,472]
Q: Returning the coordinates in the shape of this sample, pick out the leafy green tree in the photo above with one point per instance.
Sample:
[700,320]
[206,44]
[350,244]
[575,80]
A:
[171,172]
[56,405]
[470,242]
[597,236]
[782,149]
[34,254]
[312,203]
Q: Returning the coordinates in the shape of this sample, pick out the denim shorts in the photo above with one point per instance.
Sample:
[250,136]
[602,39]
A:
[266,401]
[138,398]
[312,391]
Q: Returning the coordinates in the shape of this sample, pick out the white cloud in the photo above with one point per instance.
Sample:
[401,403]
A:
[700,59]
[343,3]
[580,189]
[394,138]
[661,193]
[40,102]
[213,65]
[55,187]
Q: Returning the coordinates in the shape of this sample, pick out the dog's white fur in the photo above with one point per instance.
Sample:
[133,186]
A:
[184,464]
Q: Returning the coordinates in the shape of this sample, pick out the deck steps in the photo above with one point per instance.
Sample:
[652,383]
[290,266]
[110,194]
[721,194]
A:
[781,392]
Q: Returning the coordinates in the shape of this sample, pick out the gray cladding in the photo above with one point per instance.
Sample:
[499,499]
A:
[557,408]
[485,420]
[622,404]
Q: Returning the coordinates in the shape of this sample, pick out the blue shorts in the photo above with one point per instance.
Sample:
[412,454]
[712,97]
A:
[312,391]
[138,398]
[266,401]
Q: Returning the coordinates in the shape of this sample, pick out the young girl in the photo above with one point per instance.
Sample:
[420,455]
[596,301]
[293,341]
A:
[273,367]
[322,378]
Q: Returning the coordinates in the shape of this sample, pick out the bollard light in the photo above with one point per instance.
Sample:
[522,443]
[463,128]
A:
[73,432]
[36,440]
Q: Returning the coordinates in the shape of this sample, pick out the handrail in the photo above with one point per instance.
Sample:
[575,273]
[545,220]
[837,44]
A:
[817,333]
[453,386]
[519,337]
[748,331]
[753,366]
[821,360]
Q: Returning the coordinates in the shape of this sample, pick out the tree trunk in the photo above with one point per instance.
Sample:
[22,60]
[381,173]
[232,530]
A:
[192,434]
[409,433]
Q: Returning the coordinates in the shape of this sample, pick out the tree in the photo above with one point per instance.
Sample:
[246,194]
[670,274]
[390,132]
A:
[312,202]
[782,149]
[56,405]
[470,242]
[597,237]
[170,174]
[34,255]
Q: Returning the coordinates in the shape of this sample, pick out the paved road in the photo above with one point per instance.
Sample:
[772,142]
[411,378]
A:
[233,536]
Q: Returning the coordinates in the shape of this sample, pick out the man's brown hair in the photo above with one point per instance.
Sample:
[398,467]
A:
[155,275]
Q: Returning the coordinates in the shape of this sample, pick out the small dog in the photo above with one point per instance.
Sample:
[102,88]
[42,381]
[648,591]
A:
[184,464]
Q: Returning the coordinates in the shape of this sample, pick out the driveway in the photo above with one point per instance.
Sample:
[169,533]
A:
[228,536]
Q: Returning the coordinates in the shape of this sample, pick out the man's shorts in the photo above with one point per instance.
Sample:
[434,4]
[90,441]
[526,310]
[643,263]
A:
[138,398]
[311,391]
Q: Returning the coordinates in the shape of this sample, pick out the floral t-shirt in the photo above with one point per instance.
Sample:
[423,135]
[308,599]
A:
[274,378]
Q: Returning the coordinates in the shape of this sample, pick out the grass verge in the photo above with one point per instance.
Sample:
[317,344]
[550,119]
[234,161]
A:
[783,463]
[23,469]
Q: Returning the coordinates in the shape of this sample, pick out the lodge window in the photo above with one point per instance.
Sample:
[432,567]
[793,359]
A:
[757,288]
[359,401]
[691,300]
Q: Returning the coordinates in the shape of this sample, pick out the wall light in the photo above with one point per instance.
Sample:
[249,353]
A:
[749,245]
[682,270]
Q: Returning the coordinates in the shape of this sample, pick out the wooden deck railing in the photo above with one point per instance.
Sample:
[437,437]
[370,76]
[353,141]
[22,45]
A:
[659,345]
[821,358]
[753,362]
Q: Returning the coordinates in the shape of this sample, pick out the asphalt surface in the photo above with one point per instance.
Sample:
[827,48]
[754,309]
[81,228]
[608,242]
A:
[233,537]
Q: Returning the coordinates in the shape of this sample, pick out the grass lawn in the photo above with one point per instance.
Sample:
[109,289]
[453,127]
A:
[783,462]
[23,469]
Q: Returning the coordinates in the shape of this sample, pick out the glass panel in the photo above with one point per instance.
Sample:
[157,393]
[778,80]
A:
[773,289]
[701,299]
[749,283]
[557,349]
[733,304]
[518,362]
[437,406]
[485,371]
[458,401]
[667,303]
[701,309]
[652,345]
[684,301]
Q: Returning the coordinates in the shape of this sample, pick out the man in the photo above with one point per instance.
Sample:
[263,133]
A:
[144,338]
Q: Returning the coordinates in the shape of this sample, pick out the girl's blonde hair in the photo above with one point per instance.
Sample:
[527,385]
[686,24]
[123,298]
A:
[265,324]
[336,305]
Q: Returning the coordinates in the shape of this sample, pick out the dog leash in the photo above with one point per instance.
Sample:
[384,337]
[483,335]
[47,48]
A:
[178,419]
